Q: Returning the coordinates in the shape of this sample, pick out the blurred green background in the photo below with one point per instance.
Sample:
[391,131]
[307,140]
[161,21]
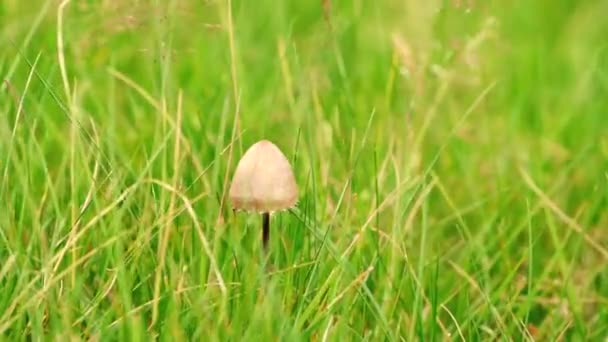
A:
[452,158]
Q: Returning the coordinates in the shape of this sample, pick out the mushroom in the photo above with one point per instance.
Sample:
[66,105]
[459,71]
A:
[263,182]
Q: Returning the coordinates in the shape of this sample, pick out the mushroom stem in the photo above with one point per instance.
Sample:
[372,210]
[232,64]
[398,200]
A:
[265,229]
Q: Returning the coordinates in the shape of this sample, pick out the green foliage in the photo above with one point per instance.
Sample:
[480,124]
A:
[452,158]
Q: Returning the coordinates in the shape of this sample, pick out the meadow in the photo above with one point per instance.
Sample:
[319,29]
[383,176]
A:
[451,159]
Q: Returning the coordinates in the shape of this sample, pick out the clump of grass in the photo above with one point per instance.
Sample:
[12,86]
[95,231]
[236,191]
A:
[450,156]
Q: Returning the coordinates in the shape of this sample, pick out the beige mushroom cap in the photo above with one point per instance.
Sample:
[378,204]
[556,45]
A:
[263,180]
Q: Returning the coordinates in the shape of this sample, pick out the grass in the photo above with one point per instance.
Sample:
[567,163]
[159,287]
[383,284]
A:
[452,159]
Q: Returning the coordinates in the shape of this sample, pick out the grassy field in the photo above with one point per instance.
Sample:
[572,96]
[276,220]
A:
[452,160]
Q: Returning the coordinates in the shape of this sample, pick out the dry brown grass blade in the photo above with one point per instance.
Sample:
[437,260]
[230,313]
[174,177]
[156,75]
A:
[459,270]
[237,102]
[391,198]
[553,207]
[8,263]
[359,280]
[6,320]
[206,245]
[166,234]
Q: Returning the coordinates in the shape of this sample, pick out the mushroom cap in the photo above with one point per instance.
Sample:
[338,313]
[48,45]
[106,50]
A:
[263,180]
